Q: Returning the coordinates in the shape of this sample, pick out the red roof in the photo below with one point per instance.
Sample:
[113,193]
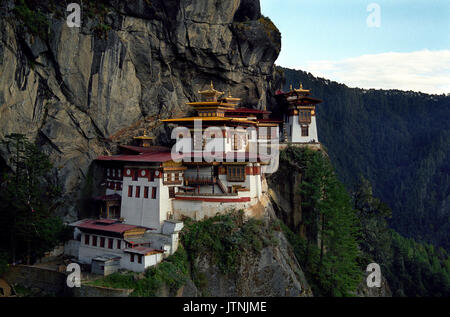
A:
[106,225]
[223,155]
[144,157]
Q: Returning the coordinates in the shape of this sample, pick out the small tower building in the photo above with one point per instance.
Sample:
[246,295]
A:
[299,110]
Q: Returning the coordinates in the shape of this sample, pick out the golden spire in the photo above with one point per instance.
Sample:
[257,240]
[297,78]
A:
[210,91]
[300,89]
[290,87]
[211,94]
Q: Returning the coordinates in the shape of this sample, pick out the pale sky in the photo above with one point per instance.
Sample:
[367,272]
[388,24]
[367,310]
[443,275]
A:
[406,46]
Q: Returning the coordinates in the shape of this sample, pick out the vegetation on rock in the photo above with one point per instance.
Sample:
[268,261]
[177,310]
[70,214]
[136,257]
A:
[329,252]
[225,238]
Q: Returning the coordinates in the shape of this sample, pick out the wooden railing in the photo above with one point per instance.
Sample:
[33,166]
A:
[206,180]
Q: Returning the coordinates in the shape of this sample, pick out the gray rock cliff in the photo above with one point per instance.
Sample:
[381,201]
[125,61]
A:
[80,91]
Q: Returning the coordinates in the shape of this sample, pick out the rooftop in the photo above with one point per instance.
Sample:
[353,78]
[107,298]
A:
[142,250]
[152,157]
[105,225]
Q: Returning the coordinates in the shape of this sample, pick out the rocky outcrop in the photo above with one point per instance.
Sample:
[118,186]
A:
[79,91]
[272,272]
[383,291]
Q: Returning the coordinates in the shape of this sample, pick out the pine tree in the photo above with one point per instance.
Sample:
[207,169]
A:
[331,250]
[28,201]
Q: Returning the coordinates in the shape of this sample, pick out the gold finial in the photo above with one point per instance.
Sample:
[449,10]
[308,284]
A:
[229,93]
[290,87]
[212,87]
[301,86]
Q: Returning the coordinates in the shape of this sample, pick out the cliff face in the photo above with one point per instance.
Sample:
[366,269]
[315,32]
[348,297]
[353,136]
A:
[79,91]
[269,270]
[274,271]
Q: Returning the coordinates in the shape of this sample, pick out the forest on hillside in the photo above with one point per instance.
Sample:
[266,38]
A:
[399,141]
[354,228]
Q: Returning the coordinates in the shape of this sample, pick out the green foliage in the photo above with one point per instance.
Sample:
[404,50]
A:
[36,22]
[411,269]
[418,269]
[330,223]
[271,30]
[226,238]
[173,272]
[399,141]
[28,195]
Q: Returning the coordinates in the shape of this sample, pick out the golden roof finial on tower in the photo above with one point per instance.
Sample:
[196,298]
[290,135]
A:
[211,94]
[301,89]
[290,87]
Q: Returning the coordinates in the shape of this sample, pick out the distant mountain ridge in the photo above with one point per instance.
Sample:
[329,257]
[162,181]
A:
[398,140]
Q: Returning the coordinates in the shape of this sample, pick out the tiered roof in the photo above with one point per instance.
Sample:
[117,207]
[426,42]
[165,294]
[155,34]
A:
[224,112]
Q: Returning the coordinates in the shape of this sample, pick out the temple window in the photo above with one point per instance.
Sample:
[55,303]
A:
[102,242]
[86,239]
[305,130]
[171,192]
[304,116]
[153,192]
[138,191]
[146,192]
[130,191]
[110,243]
[236,173]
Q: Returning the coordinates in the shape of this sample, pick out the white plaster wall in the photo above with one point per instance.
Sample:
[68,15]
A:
[165,205]
[87,252]
[151,260]
[144,211]
[132,266]
[199,209]
[296,135]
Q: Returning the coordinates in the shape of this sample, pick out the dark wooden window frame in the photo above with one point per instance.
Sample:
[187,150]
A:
[236,173]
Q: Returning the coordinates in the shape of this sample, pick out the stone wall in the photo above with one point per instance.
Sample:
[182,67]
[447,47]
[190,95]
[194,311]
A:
[98,291]
[49,281]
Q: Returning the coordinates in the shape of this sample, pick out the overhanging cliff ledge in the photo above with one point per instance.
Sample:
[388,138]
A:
[80,91]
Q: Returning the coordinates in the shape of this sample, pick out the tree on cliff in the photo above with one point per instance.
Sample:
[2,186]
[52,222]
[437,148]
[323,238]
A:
[331,250]
[27,224]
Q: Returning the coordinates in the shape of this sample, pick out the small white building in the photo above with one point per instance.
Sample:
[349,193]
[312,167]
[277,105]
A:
[135,248]
[299,108]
